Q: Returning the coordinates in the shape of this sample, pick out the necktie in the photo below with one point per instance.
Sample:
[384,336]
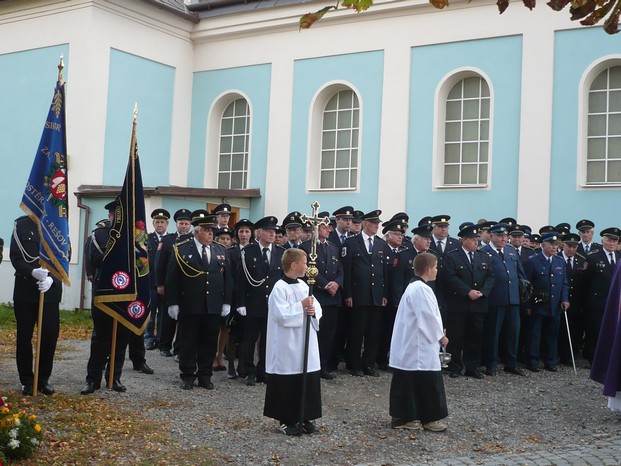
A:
[370,245]
[342,239]
[501,254]
[265,258]
[204,256]
[440,247]
[587,247]
[612,258]
[471,258]
[569,263]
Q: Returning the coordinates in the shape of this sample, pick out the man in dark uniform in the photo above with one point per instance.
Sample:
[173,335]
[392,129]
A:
[293,225]
[327,291]
[244,235]
[153,331]
[101,338]
[546,271]
[393,235]
[260,269]
[89,270]
[469,278]
[199,287]
[183,218]
[586,230]
[365,291]
[403,218]
[516,238]
[600,266]
[356,223]
[223,214]
[574,267]
[30,281]
[504,302]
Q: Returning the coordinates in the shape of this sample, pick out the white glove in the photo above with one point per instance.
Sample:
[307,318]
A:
[242,311]
[39,274]
[173,311]
[45,284]
[226,310]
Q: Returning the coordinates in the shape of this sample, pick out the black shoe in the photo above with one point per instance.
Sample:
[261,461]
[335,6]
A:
[371,371]
[150,345]
[232,374]
[551,368]
[289,429]
[515,371]
[324,374]
[454,375]
[205,383]
[309,427]
[533,368]
[261,378]
[251,380]
[187,384]
[383,367]
[27,390]
[144,368]
[117,386]
[46,389]
[176,358]
[89,388]
[357,373]
[490,372]
[166,352]
[474,374]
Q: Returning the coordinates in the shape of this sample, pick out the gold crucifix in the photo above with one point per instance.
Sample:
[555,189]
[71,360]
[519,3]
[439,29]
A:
[314,221]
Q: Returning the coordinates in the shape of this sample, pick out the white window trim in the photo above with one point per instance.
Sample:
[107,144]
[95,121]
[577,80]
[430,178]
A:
[444,87]
[584,88]
[315,126]
[212,144]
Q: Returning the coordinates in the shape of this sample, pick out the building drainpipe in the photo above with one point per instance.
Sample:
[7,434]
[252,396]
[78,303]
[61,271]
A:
[87,215]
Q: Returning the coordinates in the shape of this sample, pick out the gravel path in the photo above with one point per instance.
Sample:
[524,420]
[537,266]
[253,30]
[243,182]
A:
[542,414]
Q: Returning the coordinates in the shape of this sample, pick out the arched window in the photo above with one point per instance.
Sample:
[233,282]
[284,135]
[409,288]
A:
[234,146]
[339,158]
[603,148]
[467,133]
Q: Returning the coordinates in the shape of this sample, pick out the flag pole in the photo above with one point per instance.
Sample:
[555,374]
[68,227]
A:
[112,354]
[35,388]
[571,349]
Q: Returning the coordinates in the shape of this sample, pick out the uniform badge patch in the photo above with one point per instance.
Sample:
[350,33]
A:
[120,280]
[344,252]
[136,309]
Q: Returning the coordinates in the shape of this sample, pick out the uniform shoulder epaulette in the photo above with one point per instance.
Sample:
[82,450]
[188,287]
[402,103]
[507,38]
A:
[452,251]
[580,255]
[187,240]
[279,246]
[593,252]
[22,219]
[529,248]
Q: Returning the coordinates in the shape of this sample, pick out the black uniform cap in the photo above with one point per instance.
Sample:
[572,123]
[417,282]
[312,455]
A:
[222,209]
[612,233]
[585,224]
[183,214]
[270,223]
[160,213]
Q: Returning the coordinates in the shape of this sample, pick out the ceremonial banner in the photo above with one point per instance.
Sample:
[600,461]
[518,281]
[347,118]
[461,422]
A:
[123,291]
[45,197]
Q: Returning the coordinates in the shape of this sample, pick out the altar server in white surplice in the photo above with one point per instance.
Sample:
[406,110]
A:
[288,306]
[417,398]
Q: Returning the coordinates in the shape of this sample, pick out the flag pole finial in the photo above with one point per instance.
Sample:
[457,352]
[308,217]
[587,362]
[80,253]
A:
[135,111]
[61,65]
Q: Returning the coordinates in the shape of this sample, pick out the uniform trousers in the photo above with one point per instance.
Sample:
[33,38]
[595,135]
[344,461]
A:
[388,315]
[26,316]
[364,327]
[507,320]
[465,333]
[543,329]
[169,328]
[327,330]
[575,316]
[199,345]
[339,342]
[256,328]
[153,331]
[136,349]
[101,344]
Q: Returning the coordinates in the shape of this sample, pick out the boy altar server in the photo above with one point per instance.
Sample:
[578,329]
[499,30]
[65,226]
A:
[288,306]
[417,398]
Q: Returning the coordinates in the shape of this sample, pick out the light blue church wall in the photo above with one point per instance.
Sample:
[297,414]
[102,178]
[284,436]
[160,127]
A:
[27,79]
[133,80]
[575,52]
[208,86]
[364,72]
[500,60]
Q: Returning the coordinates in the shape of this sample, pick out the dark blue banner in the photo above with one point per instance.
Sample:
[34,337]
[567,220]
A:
[45,197]
[123,291]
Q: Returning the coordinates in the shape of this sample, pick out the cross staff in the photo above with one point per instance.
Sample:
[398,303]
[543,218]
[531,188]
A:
[311,273]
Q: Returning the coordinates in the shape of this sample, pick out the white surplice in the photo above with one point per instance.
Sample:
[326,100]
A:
[415,343]
[284,346]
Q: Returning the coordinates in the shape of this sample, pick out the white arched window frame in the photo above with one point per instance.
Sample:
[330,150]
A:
[599,125]
[463,130]
[226,137]
[330,132]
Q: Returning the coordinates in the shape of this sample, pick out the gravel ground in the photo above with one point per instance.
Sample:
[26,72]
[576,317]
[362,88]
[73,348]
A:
[501,415]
